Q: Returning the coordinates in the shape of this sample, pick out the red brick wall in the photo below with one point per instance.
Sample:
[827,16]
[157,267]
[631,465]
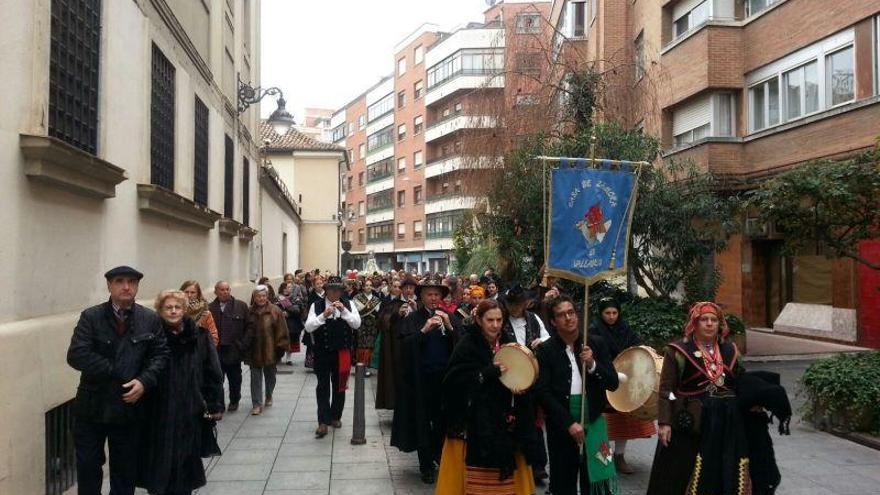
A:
[798,23]
[729,263]
[869,296]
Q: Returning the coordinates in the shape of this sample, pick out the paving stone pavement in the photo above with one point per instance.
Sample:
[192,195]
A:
[276,453]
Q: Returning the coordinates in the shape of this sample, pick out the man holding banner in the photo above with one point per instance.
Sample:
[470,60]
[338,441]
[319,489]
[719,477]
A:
[586,239]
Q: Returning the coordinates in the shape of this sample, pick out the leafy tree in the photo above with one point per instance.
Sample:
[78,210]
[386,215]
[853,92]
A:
[827,206]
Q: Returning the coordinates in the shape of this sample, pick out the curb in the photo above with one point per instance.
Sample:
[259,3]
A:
[773,358]
[864,439]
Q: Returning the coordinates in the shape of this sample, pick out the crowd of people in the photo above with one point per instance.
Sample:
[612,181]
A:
[152,383]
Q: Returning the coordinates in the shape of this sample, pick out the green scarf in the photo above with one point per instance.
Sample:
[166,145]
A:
[599,457]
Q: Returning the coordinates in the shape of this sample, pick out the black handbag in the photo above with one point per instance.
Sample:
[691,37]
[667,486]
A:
[210,447]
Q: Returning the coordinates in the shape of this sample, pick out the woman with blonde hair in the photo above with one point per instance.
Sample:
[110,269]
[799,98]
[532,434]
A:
[188,399]
[197,309]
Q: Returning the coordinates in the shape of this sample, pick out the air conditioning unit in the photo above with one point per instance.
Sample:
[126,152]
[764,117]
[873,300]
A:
[756,228]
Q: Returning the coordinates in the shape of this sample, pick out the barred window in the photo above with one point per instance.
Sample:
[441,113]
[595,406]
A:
[162,121]
[246,192]
[200,187]
[60,452]
[229,179]
[73,72]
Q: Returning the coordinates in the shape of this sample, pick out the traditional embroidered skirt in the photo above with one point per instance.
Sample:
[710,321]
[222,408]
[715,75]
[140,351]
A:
[625,427]
[455,478]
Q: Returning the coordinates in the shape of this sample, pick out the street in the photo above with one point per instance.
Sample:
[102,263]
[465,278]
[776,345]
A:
[276,453]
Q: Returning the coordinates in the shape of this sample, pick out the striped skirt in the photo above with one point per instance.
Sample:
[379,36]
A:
[455,478]
[625,427]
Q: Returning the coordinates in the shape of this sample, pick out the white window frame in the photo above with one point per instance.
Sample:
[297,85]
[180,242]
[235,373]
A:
[748,10]
[401,66]
[533,28]
[418,54]
[817,52]
[362,150]
[639,61]
[709,5]
[401,164]
[827,76]
[401,132]
[418,124]
[690,136]
[585,22]
[418,159]
[362,121]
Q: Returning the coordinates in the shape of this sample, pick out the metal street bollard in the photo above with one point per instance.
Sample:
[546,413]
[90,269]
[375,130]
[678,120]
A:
[358,435]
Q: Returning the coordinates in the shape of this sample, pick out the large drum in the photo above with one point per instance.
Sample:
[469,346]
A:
[638,392]
[522,367]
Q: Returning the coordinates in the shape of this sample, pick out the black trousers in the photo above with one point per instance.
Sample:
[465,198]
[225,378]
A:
[327,372]
[534,450]
[230,363]
[567,467]
[89,439]
[430,452]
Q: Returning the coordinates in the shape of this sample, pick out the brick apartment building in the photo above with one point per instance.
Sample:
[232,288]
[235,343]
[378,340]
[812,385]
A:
[408,187]
[748,89]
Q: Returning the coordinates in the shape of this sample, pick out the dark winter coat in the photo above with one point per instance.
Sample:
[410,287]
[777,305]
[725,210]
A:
[192,386]
[410,429]
[231,327]
[494,419]
[267,337]
[619,336]
[389,378]
[553,388]
[107,360]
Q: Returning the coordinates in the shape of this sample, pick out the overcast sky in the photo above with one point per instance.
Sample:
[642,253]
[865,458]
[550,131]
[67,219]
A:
[323,53]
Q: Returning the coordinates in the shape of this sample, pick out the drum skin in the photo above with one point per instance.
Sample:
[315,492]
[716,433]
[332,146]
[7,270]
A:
[522,367]
[638,396]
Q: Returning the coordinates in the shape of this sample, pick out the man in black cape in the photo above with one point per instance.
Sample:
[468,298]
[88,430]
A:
[427,338]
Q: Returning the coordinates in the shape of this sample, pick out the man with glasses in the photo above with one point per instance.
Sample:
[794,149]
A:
[578,452]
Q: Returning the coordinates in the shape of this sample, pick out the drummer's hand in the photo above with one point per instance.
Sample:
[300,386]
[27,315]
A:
[535,343]
[665,435]
[587,356]
[550,294]
[577,432]
[501,368]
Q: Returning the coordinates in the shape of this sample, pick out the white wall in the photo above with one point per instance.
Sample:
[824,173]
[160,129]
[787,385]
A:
[57,244]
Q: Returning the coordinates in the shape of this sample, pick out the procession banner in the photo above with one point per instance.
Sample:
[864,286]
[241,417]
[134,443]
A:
[591,205]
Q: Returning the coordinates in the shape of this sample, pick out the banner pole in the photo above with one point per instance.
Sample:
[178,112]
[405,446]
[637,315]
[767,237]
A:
[584,366]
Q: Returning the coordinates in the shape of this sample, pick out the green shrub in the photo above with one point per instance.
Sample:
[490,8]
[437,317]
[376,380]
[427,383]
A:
[735,324]
[657,321]
[844,392]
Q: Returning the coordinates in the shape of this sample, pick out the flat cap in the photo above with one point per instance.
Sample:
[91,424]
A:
[123,271]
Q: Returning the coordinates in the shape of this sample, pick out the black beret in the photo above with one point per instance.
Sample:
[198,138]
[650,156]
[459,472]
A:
[123,271]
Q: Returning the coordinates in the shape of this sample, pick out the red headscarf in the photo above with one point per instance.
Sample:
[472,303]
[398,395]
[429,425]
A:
[698,310]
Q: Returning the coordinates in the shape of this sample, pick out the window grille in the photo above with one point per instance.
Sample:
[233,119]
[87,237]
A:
[162,121]
[229,179]
[246,192]
[75,41]
[60,452]
[200,187]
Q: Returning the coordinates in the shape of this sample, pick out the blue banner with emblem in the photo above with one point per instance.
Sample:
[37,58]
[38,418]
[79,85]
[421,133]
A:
[590,214]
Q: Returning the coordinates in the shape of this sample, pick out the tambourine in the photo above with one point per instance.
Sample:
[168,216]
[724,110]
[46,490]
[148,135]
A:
[522,367]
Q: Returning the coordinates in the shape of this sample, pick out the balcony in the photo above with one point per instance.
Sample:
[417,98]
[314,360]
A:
[457,122]
[381,185]
[378,215]
[449,202]
[381,244]
[707,57]
[379,176]
[379,154]
[465,80]
[446,165]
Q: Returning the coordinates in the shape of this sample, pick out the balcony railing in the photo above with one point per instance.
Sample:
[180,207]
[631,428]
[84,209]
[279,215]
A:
[380,238]
[379,177]
[441,234]
[379,209]
[442,196]
[444,119]
[466,72]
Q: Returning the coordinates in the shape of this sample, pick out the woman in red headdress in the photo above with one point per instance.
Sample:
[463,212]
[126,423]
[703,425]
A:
[702,444]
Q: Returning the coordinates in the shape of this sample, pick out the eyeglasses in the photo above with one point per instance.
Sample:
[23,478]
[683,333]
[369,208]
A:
[567,314]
